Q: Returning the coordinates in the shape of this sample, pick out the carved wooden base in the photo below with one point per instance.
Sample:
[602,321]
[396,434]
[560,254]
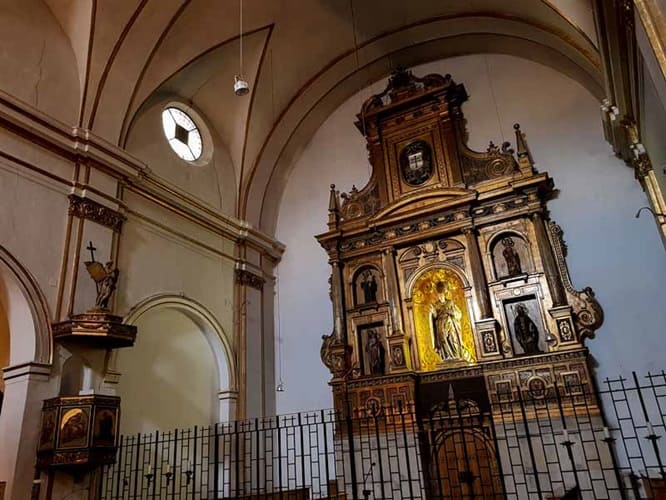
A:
[96,328]
[531,379]
[78,432]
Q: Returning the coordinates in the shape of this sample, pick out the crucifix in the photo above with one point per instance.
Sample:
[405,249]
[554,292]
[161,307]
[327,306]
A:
[92,251]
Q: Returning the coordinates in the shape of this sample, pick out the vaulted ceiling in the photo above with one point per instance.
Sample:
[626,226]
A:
[119,56]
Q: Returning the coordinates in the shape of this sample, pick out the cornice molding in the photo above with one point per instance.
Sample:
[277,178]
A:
[81,146]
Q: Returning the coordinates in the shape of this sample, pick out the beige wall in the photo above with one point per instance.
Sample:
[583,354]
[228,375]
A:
[619,256]
[169,377]
[37,61]
[4,343]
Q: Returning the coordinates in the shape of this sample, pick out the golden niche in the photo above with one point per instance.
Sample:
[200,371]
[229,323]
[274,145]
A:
[443,329]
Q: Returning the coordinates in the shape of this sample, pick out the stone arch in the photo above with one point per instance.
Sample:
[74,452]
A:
[214,334]
[27,376]
[27,310]
[262,196]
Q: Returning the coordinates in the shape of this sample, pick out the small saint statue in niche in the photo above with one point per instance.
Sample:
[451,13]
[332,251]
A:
[511,257]
[369,287]
[526,331]
[105,278]
[375,352]
[446,322]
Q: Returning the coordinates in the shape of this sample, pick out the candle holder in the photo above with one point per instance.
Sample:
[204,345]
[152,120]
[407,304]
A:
[149,477]
[169,476]
[188,476]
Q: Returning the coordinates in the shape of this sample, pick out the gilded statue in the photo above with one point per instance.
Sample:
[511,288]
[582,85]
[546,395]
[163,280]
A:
[526,331]
[446,321]
[511,257]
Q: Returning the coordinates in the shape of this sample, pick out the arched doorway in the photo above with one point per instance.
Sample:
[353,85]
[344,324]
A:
[180,372]
[463,461]
[25,356]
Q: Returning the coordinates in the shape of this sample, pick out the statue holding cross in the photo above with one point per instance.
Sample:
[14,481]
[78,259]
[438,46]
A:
[105,277]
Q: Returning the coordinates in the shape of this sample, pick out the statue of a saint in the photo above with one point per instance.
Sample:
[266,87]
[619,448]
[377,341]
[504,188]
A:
[375,352]
[511,257]
[105,277]
[526,331]
[446,321]
[369,287]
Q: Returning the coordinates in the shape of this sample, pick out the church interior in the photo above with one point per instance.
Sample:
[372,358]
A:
[332,249]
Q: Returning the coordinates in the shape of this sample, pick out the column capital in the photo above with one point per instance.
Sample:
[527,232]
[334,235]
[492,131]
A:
[245,277]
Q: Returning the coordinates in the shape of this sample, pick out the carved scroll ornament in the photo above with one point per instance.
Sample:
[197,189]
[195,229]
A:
[588,314]
[335,354]
[494,163]
[363,203]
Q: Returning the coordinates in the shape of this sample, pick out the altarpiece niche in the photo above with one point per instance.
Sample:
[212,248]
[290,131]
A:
[446,270]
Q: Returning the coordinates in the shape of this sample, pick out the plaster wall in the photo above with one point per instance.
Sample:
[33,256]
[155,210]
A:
[33,220]
[154,260]
[38,64]
[4,345]
[580,13]
[169,377]
[620,256]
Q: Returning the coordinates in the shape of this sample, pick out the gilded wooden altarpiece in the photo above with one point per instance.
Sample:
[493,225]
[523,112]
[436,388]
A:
[446,267]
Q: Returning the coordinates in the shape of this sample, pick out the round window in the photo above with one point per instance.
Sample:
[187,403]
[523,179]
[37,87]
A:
[182,133]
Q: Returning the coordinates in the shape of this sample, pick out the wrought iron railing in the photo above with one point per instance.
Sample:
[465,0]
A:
[562,443]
